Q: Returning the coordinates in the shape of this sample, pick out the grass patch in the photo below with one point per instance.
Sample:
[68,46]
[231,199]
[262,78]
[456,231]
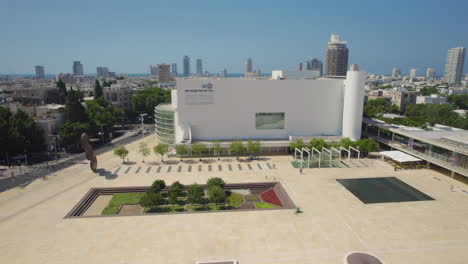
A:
[265,205]
[196,208]
[217,207]
[235,199]
[119,199]
[252,198]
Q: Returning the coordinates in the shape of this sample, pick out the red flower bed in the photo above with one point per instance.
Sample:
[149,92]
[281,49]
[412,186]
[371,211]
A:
[270,196]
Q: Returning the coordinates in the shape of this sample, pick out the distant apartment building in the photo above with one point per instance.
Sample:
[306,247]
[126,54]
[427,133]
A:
[413,73]
[164,73]
[431,99]
[174,72]
[454,65]
[381,94]
[119,95]
[36,95]
[50,118]
[430,74]
[199,67]
[337,56]
[40,74]
[77,68]
[314,65]
[403,98]
[186,66]
[248,67]
[153,70]
[396,73]
[65,77]
[102,72]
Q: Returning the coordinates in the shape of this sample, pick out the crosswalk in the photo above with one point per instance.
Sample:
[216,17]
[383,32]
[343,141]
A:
[193,168]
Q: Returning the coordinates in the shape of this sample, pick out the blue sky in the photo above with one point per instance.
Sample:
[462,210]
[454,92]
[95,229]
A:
[128,36]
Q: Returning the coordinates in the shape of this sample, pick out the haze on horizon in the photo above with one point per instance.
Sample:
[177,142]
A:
[128,36]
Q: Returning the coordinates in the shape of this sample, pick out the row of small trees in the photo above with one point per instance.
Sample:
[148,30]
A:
[237,148]
[195,194]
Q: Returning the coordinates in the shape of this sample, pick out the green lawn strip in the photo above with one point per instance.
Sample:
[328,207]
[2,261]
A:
[252,198]
[265,205]
[234,199]
[119,199]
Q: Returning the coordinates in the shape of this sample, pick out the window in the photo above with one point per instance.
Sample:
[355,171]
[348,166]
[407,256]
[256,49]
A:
[269,120]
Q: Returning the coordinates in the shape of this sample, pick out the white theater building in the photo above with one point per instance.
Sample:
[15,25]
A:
[265,110]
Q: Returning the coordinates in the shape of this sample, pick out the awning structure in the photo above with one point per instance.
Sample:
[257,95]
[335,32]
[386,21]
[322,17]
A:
[399,156]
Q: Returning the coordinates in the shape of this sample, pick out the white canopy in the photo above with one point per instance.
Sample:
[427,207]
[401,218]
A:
[399,156]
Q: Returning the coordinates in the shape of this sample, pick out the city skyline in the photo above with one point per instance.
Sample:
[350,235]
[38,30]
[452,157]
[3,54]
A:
[379,37]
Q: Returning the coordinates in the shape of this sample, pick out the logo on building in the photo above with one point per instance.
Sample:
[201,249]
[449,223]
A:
[207,85]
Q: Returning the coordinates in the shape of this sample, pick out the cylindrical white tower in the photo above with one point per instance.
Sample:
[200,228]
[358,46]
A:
[353,103]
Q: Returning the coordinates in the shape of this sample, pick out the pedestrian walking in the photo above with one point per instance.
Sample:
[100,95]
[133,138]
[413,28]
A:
[300,170]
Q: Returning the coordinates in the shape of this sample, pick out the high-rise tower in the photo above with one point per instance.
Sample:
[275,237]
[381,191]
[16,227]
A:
[314,64]
[199,67]
[186,63]
[40,72]
[454,65]
[248,66]
[77,68]
[337,56]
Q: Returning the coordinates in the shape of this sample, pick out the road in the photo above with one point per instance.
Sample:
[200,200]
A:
[8,182]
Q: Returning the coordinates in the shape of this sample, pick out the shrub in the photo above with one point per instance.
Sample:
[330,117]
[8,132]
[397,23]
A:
[216,181]
[157,186]
[235,199]
[216,194]
[152,200]
[174,192]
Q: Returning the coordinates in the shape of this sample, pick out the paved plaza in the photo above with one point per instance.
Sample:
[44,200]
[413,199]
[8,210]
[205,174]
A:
[333,223]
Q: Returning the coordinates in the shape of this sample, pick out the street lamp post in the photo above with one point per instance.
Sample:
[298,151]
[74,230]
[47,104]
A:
[102,133]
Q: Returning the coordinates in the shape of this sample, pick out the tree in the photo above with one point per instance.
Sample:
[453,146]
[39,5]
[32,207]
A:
[428,90]
[161,149]
[181,150]
[152,200]
[145,100]
[217,147]
[62,91]
[174,192]
[253,147]
[98,90]
[461,101]
[121,152]
[198,148]
[237,148]
[75,110]
[216,181]
[395,109]
[195,194]
[297,143]
[216,194]
[70,133]
[143,150]
[101,111]
[367,145]
[156,187]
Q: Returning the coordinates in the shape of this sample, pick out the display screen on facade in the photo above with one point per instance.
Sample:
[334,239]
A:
[269,120]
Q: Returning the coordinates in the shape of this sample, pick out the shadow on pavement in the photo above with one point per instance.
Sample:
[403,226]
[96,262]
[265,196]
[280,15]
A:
[109,175]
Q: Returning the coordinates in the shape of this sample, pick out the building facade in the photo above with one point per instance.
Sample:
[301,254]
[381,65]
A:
[78,68]
[454,65]
[119,95]
[403,98]
[337,57]
[40,74]
[153,70]
[413,73]
[431,99]
[228,109]
[295,74]
[314,65]
[186,64]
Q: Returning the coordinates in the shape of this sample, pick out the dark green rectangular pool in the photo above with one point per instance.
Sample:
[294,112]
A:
[383,190]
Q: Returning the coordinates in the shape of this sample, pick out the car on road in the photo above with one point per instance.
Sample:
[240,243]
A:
[145,132]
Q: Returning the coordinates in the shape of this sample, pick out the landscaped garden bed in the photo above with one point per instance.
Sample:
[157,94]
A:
[214,196]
